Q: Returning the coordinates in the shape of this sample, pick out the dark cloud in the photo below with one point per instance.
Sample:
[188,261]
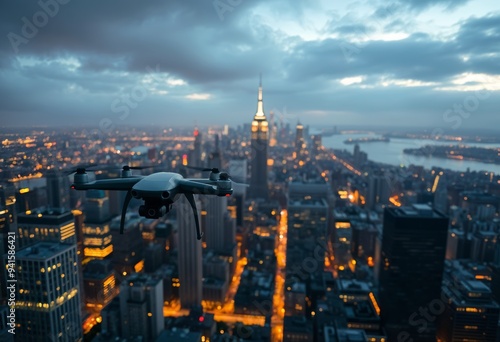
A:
[388,9]
[114,45]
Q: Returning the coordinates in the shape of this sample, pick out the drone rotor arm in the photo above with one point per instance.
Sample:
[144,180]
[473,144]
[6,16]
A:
[194,186]
[108,184]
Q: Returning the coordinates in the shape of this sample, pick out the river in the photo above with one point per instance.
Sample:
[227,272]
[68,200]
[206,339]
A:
[392,152]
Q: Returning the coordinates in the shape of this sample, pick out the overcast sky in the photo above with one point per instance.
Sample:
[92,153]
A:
[425,63]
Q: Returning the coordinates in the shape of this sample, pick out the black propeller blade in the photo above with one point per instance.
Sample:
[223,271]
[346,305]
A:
[214,170]
[126,167]
[81,169]
[222,176]
[190,198]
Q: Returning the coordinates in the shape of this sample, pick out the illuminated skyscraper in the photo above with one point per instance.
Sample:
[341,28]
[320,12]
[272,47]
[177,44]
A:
[96,229]
[196,153]
[413,249]
[189,253]
[99,284]
[8,224]
[48,297]
[258,180]
[470,312]
[46,225]
[299,139]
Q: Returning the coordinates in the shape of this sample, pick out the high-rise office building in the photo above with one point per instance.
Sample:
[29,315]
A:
[378,191]
[307,226]
[97,207]
[299,137]
[189,254]
[317,144]
[141,307]
[128,248]
[195,159]
[413,249]
[8,224]
[57,190]
[5,335]
[99,284]
[97,240]
[238,170]
[483,244]
[470,313]
[216,209]
[97,237]
[48,298]
[300,144]
[259,142]
[52,225]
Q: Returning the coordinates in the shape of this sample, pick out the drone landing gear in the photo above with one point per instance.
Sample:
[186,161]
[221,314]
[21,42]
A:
[190,198]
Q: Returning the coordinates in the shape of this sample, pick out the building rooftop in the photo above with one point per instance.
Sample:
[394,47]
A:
[180,335]
[48,216]
[417,210]
[140,279]
[43,250]
[352,285]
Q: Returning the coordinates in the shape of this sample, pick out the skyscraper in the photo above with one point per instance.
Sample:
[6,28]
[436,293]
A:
[470,312]
[413,249]
[378,191]
[8,224]
[128,248]
[97,238]
[48,298]
[216,208]
[196,153]
[190,266]
[52,225]
[57,190]
[299,139]
[238,169]
[307,224]
[258,180]
[141,307]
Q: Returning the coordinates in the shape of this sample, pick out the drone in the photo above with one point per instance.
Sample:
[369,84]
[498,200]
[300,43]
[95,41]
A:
[158,190]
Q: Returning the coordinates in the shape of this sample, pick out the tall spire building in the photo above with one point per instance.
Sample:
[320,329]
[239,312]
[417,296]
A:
[260,127]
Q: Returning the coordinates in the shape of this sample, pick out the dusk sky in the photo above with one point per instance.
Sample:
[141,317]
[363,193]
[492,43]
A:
[422,63]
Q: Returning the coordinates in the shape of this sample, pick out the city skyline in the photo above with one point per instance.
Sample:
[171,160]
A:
[409,62]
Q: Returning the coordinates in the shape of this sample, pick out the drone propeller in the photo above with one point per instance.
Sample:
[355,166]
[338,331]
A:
[214,170]
[81,169]
[127,167]
[223,175]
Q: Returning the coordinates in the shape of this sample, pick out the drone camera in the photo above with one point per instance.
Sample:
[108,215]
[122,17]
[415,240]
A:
[135,194]
[165,195]
[152,212]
